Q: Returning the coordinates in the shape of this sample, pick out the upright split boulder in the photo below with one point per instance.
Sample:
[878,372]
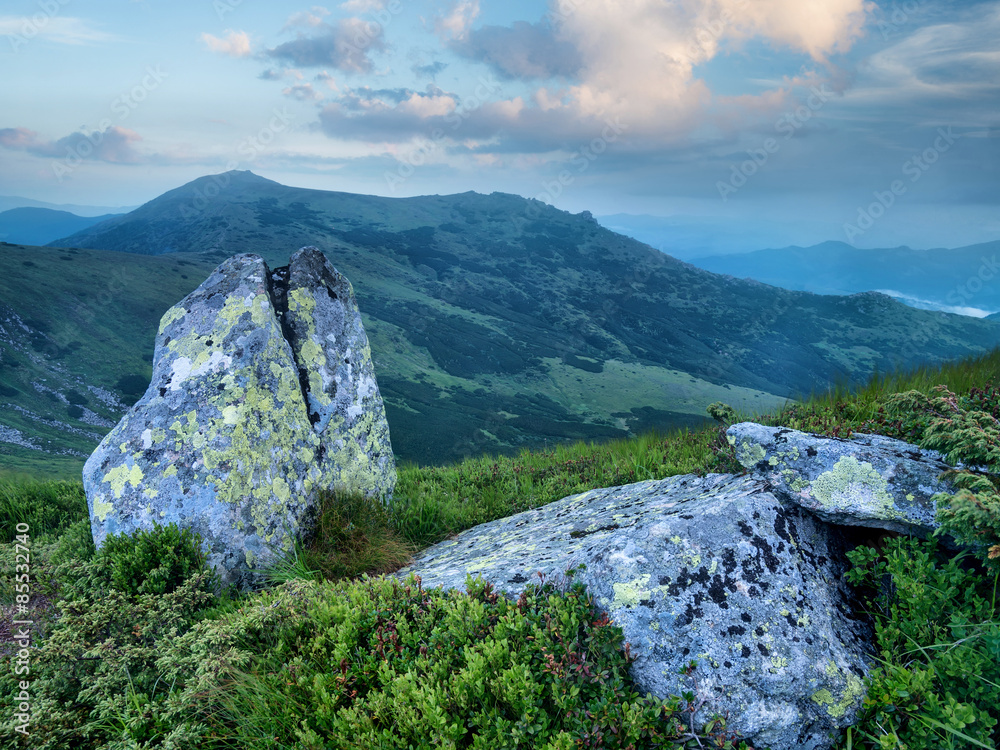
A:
[335,365]
[253,408]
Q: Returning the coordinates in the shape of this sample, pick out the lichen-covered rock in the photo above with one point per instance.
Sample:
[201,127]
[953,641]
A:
[332,352]
[715,570]
[868,480]
[222,441]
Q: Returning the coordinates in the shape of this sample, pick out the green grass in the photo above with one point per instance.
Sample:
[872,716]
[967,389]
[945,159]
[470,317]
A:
[46,506]
[240,655]
[432,503]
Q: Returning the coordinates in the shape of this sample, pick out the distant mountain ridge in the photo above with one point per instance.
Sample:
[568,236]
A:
[495,321]
[7,202]
[38,226]
[958,280]
[692,237]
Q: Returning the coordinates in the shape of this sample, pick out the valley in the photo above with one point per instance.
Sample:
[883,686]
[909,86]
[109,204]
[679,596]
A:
[495,322]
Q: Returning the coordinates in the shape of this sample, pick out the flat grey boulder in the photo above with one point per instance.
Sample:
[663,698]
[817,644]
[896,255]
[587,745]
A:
[224,441]
[868,480]
[715,570]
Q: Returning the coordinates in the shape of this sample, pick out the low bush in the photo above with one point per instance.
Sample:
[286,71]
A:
[388,664]
[936,683]
[96,666]
[155,561]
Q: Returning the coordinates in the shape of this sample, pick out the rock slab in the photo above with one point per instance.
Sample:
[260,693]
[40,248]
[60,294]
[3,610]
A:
[868,480]
[716,570]
[252,409]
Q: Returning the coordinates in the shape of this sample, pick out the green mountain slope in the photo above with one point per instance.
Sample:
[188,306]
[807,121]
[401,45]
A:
[497,322]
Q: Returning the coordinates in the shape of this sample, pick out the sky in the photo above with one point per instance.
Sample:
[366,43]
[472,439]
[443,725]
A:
[876,124]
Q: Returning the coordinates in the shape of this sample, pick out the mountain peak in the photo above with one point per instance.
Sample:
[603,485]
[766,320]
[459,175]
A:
[240,176]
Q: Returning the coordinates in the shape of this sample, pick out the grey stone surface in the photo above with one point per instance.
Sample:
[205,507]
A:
[716,570]
[868,480]
[334,358]
[222,441]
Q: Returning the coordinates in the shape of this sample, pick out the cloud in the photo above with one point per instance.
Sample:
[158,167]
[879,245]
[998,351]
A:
[524,50]
[954,60]
[235,43]
[22,139]
[312,18]
[393,115]
[599,61]
[304,92]
[456,24]
[113,145]
[328,80]
[431,70]
[362,6]
[927,304]
[815,27]
[344,46]
[58,29]
[270,75]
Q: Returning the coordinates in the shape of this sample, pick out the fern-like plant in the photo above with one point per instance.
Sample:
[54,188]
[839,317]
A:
[965,430]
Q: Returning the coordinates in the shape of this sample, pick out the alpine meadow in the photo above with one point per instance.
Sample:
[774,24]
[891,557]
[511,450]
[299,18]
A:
[467,375]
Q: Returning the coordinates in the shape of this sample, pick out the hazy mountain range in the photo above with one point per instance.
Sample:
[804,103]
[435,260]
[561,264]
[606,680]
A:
[39,226]
[692,237]
[495,321]
[964,279]
[7,202]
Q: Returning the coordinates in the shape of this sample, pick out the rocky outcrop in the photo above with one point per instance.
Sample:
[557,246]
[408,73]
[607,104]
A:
[740,574]
[868,480]
[263,392]
[715,570]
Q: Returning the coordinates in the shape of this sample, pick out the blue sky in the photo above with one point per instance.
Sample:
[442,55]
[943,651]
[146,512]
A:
[877,124]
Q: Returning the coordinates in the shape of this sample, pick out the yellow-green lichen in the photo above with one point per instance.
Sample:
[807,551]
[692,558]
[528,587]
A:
[837,708]
[173,314]
[102,508]
[853,481]
[750,453]
[794,480]
[119,476]
[630,594]
[310,354]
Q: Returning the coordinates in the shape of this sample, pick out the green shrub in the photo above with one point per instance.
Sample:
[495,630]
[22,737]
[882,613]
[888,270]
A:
[380,663]
[966,431]
[156,561]
[937,683]
[94,680]
[721,412]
